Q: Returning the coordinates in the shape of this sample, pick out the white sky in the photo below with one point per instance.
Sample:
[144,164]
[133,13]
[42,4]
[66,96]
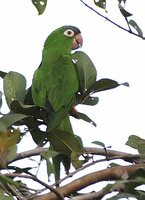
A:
[115,53]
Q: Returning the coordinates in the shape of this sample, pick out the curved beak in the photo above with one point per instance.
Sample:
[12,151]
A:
[77,42]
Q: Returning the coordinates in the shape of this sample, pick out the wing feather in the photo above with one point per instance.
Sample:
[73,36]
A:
[59,85]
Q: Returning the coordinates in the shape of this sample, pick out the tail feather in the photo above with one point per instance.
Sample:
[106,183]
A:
[59,120]
[65,125]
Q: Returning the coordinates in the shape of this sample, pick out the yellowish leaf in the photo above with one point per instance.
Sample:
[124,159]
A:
[8,141]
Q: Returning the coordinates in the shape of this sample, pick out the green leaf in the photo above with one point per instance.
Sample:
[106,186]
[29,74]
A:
[121,195]
[64,142]
[125,84]
[57,161]
[123,11]
[85,118]
[113,165]
[37,134]
[9,119]
[76,162]
[107,188]
[14,87]
[79,140]
[135,179]
[21,170]
[91,101]
[134,141]
[40,5]
[8,141]
[12,153]
[121,1]
[2,74]
[6,180]
[51,168]
[1,99]
[99,143]
[104,84]
[4,196]
[18,107]
[130,185]
[3,127]
[66,161]
[141,149]
[100,3]
[86,70]
[56,166]
[28,98]
[138,175]
[136,27]
[49,154]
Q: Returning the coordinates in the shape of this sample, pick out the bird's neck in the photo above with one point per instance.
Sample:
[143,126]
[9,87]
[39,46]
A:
[57,46]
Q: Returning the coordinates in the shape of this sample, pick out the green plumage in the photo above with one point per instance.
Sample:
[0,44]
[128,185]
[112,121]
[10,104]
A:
[55,82]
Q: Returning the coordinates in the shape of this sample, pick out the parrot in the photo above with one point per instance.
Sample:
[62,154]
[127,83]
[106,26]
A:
[61,77]
[55,83]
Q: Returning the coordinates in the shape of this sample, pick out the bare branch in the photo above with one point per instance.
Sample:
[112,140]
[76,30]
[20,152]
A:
[57,193]
[79,169]
[15,192]
[109,153]
[112,22]
[95,162]
[114,173]
[95,151]
[26,154]
[97,195]
[91,196]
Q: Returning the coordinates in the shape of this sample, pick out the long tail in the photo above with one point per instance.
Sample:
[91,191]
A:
[59,120]
[65,125]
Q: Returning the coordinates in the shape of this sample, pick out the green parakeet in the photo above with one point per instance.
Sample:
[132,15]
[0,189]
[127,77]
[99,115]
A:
[55,83]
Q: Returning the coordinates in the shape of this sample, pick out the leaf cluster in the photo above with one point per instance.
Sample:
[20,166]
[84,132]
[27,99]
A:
[67,148]
[131,23]
[24,116]
[133,27]
[24,112]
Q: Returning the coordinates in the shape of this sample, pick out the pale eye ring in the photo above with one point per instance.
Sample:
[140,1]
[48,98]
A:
[69,33]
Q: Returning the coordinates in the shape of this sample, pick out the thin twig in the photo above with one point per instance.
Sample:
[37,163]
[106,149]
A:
[90,164]
[109,155]
[112,22]
[78,170]
[97,195]
[59,195]
[132,158]
[15,192]
[91,196]
[89,150]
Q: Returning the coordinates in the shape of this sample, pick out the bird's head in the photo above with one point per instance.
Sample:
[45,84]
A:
[68,37]
[73,33]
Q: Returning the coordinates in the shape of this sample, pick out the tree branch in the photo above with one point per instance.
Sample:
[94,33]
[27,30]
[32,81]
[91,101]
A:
[109,153]
[95,151]
[112,22]
[56,192]
[97,195]
[90,196]
[26,154]
[69,189]
[112,174]
[15,192]
[90,164]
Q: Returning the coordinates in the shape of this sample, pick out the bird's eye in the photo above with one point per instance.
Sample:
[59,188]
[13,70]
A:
[69,33]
